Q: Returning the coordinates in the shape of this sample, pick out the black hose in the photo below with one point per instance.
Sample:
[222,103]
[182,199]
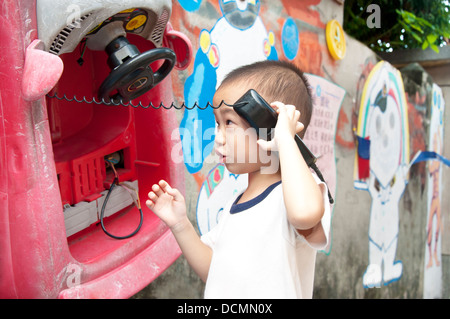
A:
[103,212]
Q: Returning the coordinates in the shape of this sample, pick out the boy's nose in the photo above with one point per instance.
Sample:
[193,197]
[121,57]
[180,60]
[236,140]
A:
[220,137]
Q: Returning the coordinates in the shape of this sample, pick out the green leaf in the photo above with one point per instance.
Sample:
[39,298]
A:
[416,36]
[417,27]
[409,17]
[425,22]
[405,26]
[424,45]
[432,38]
[435,48]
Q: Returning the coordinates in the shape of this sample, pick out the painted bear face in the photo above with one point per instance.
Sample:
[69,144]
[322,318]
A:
[385,137]
[241,14]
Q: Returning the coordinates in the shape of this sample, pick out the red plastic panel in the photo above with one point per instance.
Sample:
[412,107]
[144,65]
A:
[51,153]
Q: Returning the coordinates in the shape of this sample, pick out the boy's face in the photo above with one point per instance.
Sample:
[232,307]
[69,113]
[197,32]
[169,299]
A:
[235,141]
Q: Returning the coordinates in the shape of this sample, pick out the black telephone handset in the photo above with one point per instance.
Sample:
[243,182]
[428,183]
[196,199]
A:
[259,114]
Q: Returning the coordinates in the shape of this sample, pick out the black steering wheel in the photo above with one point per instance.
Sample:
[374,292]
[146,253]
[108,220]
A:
[132,76]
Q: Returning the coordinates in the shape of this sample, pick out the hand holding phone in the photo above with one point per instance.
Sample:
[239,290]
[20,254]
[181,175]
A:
[259,114]
[288,125]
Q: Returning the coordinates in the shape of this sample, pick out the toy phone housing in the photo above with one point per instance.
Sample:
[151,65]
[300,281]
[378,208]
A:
[259,114]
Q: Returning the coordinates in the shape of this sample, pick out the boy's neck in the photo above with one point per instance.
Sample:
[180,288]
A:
[258,182]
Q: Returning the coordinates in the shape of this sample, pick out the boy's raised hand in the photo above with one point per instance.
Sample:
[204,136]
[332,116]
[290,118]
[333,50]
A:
[167,203]
[287,125]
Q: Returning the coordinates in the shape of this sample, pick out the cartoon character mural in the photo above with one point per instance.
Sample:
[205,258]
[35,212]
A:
[381,167]
[433,269]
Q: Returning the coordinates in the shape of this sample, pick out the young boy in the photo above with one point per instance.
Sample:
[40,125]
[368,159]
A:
[265,243]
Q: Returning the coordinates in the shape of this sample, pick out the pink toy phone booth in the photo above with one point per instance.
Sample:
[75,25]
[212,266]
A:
[59,157]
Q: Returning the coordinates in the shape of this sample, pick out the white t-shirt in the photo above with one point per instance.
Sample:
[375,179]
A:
[258,254]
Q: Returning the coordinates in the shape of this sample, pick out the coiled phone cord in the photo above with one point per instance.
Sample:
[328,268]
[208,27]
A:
[112,102]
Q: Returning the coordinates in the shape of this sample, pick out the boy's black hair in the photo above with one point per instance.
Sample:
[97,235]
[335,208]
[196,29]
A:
[276,81]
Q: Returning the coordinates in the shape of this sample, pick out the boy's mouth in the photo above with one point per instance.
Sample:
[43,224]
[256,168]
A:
[222,157]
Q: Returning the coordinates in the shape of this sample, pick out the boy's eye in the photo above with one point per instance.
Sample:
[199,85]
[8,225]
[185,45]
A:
[229,122]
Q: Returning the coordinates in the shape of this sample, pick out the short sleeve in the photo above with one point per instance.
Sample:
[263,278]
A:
[210,237]
[319,239]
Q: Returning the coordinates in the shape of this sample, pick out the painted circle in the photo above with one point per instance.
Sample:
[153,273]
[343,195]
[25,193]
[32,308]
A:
[190,5]
[289,39]
[335,39]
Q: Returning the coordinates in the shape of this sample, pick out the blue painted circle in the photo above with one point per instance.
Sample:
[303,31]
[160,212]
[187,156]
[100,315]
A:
[190,5]
[289,39]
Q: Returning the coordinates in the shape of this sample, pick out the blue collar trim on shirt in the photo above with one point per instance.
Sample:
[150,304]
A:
[236,208]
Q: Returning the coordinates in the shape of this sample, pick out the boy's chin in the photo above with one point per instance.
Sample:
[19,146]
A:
[242,168]
[233,169]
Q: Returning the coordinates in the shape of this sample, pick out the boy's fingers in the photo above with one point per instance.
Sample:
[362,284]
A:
[263,144]
[171,191]
[290,107]
[296,115]
[299,127]
[165,186]
[266,145]
[290,110]
[157,190]
[152,196]
[149,203]
[175,193]
[277,106]
[162,183]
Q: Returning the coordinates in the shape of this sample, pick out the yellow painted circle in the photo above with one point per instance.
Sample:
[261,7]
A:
[136,22]
[271,38]
[335,39]
[205,41]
